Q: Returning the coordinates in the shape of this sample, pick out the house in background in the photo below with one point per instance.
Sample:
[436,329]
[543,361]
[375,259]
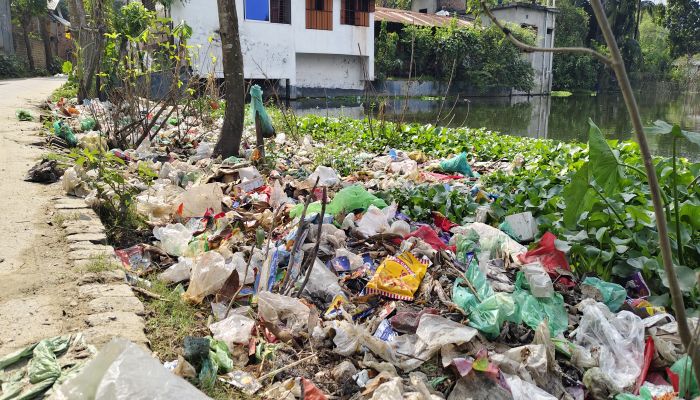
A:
[539,17]
[315,47]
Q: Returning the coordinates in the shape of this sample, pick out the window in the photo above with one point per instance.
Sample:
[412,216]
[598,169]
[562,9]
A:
[319,14]
[276,11]
[356,12]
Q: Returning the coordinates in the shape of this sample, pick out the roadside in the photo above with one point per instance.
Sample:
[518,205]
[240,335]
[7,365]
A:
[37,286]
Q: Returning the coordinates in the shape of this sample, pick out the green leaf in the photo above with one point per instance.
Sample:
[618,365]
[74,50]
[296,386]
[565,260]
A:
[690,213]
[577,196]
[604,166]
[660,128]
[67,67]
[686,277]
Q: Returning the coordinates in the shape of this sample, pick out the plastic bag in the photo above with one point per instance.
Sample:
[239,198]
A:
[618,338]
[234,330]
[65,132]
[173,238]
[209,274]
[612,294]
[489,315]
[283,310]
[256,107]
[549,256]
[457,164]
[492,242]
[398,277]
[323,283]
[204,150]
[87,124]
[123,371]
[463,296]
[523,390]
[177,272]
[686,377]
[43,366]
[348,199]
[532,310]
[219,355]
[428,235]
[326,176]
[374,221]
[198,199]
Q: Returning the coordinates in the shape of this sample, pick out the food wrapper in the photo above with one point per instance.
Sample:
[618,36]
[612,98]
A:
[398,277]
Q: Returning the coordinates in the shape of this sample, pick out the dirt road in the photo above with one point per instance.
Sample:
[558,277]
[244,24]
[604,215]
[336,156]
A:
[37,287]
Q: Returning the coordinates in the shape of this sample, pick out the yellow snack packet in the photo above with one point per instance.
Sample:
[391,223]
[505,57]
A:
[398,277]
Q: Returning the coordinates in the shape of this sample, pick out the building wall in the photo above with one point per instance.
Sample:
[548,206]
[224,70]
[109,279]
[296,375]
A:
[6,42]
[430,5]
[37,47]
[284,51]
[544,20]
[459,6]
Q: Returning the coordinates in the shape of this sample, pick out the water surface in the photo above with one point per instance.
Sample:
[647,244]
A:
[559,118]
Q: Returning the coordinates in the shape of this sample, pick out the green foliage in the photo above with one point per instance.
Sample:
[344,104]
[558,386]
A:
[418,202]
[386,61]
[11,67]
[483,57]
[573,71]
[683,24]
[399,4]
[653,39]
[133,20]
[68,90]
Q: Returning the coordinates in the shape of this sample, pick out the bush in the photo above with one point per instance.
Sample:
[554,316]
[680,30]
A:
[12,67]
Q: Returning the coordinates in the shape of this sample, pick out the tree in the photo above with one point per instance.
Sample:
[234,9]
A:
[24,11]
[46,38]
[683,23]
[88,37]
[234,92]
[572,71]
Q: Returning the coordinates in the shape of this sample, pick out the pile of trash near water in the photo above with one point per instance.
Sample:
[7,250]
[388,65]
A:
[319,288]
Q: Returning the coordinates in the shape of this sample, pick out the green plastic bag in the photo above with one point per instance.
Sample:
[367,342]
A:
[488,314]
[256,106]
[43,366]
[644,394]
[219,355]
[348,199]
[468,243]
[87,124]
[686,377]
[65,132]
[532,310]
[458,164]
[613,294]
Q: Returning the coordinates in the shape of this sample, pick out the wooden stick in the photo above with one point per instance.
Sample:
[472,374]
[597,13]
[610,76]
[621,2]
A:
[286,367]
[312,259]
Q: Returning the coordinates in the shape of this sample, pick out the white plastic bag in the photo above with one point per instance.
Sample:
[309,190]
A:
[327,176]
[197,199]
[209,274]
[523,390]
[234,330]
[373,222]
[322,283]
[283,310]
[619,339]
[177,272]
[204,150]
[124,371]
[173,238]
[239,263]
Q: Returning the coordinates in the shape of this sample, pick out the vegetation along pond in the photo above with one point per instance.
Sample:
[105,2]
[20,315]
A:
[558,118]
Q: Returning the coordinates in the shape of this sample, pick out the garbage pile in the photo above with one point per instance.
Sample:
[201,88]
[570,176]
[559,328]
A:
[320,288]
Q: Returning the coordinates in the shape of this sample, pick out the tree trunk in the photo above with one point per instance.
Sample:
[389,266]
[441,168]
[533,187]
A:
[230,139]
[27,43]
[46,38]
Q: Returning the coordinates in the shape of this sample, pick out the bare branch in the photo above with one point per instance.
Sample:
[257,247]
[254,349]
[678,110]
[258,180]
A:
[531,49]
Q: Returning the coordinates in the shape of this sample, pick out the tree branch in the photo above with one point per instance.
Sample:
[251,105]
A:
[531,49]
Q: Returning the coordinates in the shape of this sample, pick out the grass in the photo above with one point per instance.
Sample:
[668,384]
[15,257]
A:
[100,264]
[60,217]
[68,90]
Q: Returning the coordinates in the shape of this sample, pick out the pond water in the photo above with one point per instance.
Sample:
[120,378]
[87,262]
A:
[558,118]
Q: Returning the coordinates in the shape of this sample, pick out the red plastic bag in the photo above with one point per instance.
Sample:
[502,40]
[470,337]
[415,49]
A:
[550,258]
[429,236]
[442,222]
[311,392]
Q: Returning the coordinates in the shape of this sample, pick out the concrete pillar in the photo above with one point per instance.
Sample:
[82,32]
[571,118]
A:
[6,43]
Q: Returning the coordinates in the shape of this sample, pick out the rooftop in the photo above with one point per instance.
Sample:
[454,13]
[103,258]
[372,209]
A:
[414,18]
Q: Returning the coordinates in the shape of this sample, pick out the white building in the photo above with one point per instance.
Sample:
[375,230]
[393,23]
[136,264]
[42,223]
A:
[316,46]
[540,19]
